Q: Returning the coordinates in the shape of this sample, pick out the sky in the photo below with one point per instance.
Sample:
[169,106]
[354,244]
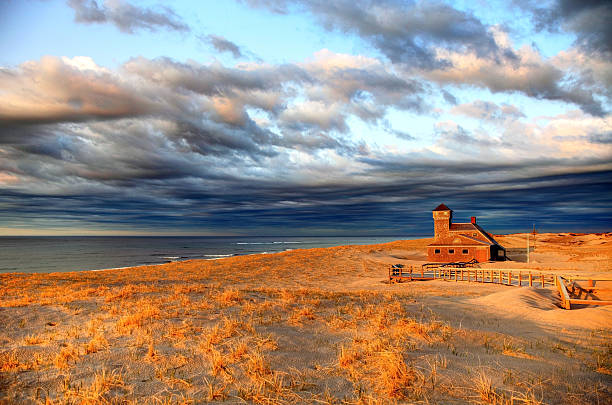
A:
[303,117]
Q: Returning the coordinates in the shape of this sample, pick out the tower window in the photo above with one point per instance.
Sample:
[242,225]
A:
[465,251]
[437,251]
[451,251]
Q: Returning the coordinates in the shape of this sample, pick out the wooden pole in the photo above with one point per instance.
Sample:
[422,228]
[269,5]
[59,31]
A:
[542,280]
[520,278]
[565,299]
[527,248]
[530,279]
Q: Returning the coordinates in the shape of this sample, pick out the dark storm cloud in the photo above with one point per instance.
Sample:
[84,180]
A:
[438,41]
[404,31]
[589,20]
[530,75]
[125,16]
[605,138]
[255,147]
[400,134]
[222,44]
[402,206]
[59,90]
[449,97]
[214,79]
[185,112]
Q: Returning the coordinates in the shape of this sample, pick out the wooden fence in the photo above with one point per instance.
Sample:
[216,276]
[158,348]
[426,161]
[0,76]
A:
[569,290]
[515,277]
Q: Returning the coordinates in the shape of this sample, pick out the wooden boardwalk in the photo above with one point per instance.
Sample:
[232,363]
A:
[570,291]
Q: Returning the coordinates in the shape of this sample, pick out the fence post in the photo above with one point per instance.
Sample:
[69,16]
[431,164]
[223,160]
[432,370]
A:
[530,279]
[520,278]
[542,279]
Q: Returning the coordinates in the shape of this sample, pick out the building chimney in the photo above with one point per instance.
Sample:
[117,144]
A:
[473,220]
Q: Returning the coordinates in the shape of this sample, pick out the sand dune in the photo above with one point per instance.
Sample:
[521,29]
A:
[543,307]
[306,326]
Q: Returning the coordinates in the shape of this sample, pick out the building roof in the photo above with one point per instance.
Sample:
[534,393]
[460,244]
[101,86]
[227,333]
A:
[489,237]
[458,239]
[463,227]
[442,207]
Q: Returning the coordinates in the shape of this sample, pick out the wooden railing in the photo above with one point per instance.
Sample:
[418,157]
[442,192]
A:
[514,277]
[570,291]
[576,289]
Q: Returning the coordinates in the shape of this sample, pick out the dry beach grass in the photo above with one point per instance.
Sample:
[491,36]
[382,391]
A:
[306,326]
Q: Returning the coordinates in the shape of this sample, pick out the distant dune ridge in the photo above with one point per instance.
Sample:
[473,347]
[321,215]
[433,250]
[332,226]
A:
[308,326]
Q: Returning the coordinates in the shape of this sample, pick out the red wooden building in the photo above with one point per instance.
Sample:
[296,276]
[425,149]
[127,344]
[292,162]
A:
[461,242]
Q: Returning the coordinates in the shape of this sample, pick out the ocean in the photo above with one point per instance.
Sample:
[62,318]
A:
[47,254]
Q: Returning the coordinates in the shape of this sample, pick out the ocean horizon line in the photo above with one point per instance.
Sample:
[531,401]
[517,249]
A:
[43,254]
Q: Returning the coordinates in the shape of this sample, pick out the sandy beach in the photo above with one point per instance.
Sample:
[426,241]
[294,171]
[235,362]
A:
[308,326]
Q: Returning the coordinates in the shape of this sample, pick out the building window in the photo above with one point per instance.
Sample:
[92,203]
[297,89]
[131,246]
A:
[451,251]
[465,251]
[437,251]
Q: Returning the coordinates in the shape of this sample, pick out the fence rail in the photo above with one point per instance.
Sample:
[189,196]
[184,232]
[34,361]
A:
[576,289]
[569,290]
[515,277]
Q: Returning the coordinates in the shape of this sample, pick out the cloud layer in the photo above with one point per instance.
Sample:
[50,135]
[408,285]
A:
[125,16]
[259,147]
[159,142]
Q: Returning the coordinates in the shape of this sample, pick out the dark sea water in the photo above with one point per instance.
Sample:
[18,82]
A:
[74,253]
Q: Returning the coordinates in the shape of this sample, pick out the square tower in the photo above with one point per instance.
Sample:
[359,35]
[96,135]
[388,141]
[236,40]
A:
[442,216]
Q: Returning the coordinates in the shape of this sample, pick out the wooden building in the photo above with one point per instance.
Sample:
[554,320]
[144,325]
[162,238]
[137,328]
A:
[461,242]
